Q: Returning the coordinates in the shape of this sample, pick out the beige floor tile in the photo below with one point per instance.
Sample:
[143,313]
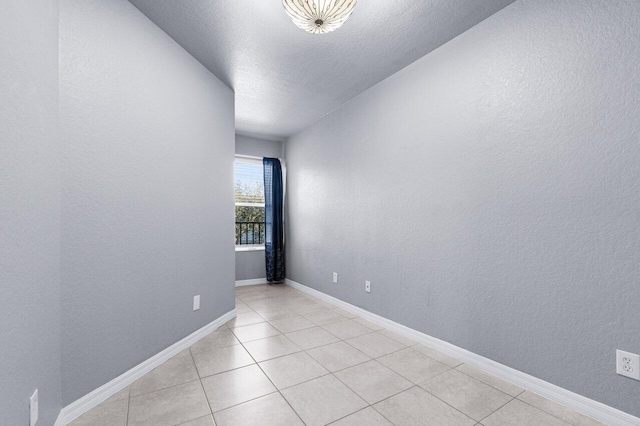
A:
[366,417]
[113,413]
[338,356]
[300,363]
[375,345]
[372,381]
[312,338]
[299,297]
[221,360]
[324,317]
[255,332]
[185,352]
[202,421]
[519,413]
[245,296]
[323,400]
[368,324]
[258,300]
[220,338]
[266,304]
[413,365]
[236,386]
[292,369]
[171,406]
[438,356]
[417,407]
[324,304]
[270,410]
[306,307]
[245,319]
[344,313]
[287,325]
[251,295]
[241,308]
[175,371]
[472,397]
[279,313]
[347,329]
[560,411]
[398,338]
[491,380]
[271,347]
[123,394]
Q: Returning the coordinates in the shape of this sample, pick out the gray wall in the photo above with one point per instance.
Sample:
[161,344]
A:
[29,211]
[255,147]
[490,193]
[250,264]
[147,203]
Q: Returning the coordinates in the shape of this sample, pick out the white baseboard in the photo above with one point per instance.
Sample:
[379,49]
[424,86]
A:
[89,401]
[256,281]
[591,408]
[60,419]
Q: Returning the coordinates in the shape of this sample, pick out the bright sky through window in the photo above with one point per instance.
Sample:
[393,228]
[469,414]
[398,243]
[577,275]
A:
[249,182]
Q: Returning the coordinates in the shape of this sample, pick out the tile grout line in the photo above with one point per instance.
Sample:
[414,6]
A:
[341,369]
[383,416]
[372,359]
[488,384]
[424,381]
[496,410]
[410,381]
[313,299]
[345,384]
[445,402]
[391,396]
[204,392]
[271,381]
[201,384]
[329,372]
[344,417]
[128,404]
[414,384]
[420,387]
[213,413]
[282,356]
[551,414]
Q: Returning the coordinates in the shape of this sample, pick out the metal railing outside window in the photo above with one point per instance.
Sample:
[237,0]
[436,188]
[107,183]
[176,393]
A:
[249,233]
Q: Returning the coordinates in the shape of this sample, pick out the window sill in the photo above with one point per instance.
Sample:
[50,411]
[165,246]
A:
[250,248]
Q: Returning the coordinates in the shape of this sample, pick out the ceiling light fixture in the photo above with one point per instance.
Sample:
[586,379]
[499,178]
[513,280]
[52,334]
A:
[319,16]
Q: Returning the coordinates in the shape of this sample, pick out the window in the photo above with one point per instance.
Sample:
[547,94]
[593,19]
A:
[249,194]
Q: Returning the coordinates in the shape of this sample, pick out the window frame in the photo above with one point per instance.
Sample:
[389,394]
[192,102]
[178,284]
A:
[253,160]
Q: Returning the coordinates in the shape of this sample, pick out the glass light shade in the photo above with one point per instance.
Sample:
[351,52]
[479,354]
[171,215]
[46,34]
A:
[319,16]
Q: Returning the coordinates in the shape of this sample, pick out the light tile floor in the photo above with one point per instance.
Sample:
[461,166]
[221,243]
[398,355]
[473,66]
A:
[291,359]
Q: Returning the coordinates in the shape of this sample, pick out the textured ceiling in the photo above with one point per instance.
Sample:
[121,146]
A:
[284,78]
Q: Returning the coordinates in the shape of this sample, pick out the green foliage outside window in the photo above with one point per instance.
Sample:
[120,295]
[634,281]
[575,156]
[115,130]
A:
[252,216]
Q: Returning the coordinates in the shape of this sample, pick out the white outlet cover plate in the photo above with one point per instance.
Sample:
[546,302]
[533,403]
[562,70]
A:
[33,407]
[335,277]
[367,286]
[196,302]
[630,361]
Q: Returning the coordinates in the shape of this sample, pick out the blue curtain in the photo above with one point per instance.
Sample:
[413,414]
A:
[274,220]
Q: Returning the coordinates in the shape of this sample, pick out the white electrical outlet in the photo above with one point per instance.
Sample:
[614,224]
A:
[335,277]
[367,286]
[628,364]
[196,302]
[33,408]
